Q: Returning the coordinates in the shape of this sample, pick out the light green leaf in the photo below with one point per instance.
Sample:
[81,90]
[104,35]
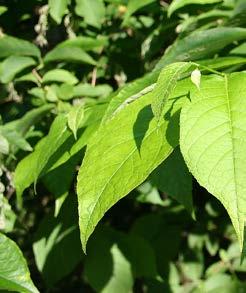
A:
[223,62]
[93,11]
[240,50]
[75,117]
[12,46]
[57,9]
[166,83]
[14,273]
[212,140]
[173,178]
[133,6]
[177,4]
[59,75]
[69,54]
[201,44]
[138,145]
[4,145]
[13,65]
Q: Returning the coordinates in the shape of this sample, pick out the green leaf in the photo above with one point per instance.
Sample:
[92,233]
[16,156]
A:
[12,46]
[14,273]
[133,6]
[55,149]
[75,117]
[138,145]
[88,90]
[59,75]
[56,247]
[69,54]
[57,9]
[129,93]
[201,44]
[93,11]
[177,4]
[86,43]
[173,178]
[212,140]
[166,83]
[14,65]
[4,145]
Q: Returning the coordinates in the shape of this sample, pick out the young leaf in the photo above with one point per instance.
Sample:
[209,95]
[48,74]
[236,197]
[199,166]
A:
[13,65]
[59,75]
[177,4]
[201,44]
[93,11]
[166,83]
[213,141]
[57,9]
[14,273]
[75,117]
[132,145]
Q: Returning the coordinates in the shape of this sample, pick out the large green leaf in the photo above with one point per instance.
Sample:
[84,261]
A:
[14,273]
[13,46]
[138,145]
[201,44]
[93,11]
[177,4]
[69,54]
[13,65]
[57,9]
[212,141]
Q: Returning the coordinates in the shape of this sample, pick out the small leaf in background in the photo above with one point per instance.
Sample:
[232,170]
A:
[14,273]
[75,117]
[86,43]
[59,75]
[177,4]
[213,145]
[88,90]
[71,54]
[4,145]
[93,11]
[12,46]
[65,91]
[173,178]
[14,65]
[201,44]
[133,6]
[166,83]
[57,9]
